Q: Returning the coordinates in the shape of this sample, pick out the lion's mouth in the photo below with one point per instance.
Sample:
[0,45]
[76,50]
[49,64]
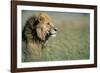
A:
[53,33]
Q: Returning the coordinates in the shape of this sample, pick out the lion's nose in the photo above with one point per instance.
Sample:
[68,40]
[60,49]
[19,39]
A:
[55,29]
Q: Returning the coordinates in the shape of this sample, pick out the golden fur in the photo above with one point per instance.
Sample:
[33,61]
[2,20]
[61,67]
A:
[36,32]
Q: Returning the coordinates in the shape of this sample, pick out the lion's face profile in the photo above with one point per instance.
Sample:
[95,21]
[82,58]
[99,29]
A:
[38,28]
[45,28]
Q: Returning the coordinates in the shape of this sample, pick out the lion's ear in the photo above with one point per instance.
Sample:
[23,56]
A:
[41,18]
[40,33]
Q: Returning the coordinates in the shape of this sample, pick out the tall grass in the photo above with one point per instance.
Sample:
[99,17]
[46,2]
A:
[71,43]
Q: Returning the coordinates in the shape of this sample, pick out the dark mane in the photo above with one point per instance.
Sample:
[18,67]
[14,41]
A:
[29,31]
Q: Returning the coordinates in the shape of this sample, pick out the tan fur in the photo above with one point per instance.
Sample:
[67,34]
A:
[37,30]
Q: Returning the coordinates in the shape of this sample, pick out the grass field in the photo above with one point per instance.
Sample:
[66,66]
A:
[70,43]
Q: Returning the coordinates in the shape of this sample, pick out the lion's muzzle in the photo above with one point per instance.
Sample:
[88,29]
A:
[53,32]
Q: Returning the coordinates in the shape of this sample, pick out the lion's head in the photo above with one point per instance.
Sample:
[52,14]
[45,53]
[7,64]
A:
[39,28]
[45,28]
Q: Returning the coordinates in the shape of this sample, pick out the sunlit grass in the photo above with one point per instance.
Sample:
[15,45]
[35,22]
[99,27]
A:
[71,43]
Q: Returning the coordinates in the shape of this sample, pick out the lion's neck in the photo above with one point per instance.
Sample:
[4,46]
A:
[36,44]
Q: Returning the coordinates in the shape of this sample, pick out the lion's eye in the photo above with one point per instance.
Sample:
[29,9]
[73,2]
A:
[48,23]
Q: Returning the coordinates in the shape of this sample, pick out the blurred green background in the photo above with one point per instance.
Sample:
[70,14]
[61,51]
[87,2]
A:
[71,41]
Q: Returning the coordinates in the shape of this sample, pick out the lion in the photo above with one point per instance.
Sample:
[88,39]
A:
[37,30]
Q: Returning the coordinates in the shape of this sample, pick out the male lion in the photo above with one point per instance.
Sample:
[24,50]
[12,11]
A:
[36,32]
